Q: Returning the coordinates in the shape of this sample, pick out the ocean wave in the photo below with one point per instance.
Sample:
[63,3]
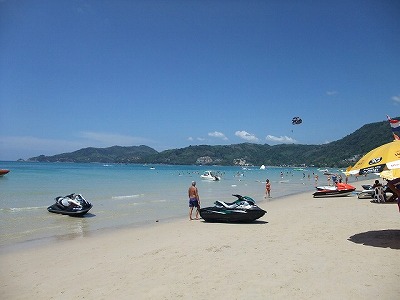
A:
[157,201]
[127,197]
[18,209]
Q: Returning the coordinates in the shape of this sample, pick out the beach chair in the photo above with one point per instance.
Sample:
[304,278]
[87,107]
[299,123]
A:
[379,196]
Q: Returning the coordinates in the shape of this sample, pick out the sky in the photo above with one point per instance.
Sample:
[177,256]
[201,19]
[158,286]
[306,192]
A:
[169,74]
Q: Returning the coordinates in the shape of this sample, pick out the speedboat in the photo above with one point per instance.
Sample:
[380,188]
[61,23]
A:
[72,205]
[3,172]
[208,175]
[244,209]
[339,190]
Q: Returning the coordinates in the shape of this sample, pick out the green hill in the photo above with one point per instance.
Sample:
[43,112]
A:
[341,153]
[115,154]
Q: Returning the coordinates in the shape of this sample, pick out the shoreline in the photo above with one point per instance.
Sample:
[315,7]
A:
[45,240]
[121,195]
[304,247]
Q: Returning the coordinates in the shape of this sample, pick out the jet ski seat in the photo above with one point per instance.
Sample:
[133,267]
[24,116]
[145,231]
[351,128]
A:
[224,204]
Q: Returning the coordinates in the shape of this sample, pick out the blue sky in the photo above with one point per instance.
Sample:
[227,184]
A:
[169,74]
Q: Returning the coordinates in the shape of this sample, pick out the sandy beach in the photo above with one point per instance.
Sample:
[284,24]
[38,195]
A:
[303,248]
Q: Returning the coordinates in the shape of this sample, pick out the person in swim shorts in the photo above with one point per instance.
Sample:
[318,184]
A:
[194,200]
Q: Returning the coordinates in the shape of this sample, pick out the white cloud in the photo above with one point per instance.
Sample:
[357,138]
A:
[281,139]
[190,138]
[396,98]
[246,136]
[217,134]
[331,93]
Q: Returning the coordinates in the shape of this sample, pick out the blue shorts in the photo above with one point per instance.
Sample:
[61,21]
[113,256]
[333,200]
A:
[193,202]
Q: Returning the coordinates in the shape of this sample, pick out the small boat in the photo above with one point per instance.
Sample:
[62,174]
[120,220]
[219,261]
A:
[72,205]
[208,175]
[4,172]
[339,190]
[244,209]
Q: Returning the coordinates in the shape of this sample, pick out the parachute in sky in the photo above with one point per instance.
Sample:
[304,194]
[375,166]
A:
[296,121]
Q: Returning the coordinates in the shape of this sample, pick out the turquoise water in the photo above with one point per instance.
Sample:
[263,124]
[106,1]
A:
[122,195]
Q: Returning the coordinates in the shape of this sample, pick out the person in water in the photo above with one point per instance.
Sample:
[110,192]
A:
[267,189]
[194,200]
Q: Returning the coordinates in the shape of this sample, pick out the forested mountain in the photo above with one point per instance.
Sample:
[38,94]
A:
[113,154]
[341,153]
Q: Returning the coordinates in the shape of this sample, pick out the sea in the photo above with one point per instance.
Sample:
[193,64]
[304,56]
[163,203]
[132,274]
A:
[124,195]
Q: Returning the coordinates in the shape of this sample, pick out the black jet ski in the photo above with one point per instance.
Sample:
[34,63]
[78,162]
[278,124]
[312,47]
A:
[368,192]
[72,205]
[244,209]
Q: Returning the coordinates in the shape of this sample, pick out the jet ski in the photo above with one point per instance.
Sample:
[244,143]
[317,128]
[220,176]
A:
[339,190]
[368,192]
[72,205]
[244,209]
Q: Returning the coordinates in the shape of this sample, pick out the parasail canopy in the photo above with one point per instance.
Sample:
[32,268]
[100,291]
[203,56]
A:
[296,121]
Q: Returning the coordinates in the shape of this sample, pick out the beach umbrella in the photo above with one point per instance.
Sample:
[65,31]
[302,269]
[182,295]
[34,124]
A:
[347,172]
[390,174]
[385,157]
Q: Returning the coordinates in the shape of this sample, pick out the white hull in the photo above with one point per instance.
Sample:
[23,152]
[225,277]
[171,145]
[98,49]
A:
[208,175]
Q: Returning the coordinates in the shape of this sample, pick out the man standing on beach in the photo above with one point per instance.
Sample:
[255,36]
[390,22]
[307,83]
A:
[194,200]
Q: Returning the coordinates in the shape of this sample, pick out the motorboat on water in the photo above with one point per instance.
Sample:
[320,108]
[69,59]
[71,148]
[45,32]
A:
[4,172]
[209,175]
[244,209]
[72,205]
[339,190]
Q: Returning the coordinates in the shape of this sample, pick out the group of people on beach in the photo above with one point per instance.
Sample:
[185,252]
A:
[393,186]
[335,179]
